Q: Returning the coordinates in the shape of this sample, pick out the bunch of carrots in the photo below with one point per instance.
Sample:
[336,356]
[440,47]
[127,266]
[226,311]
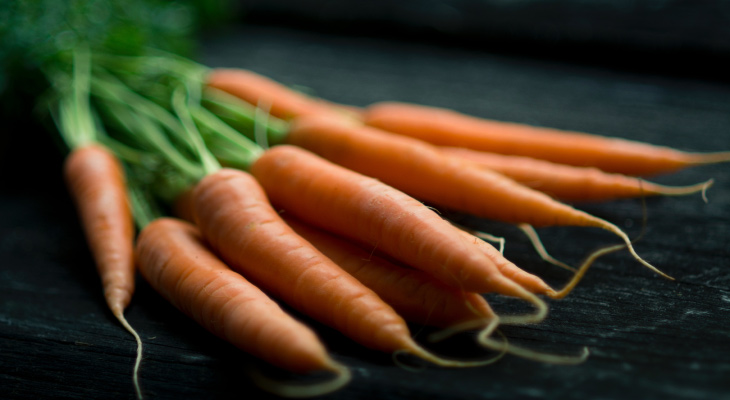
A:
[246,193]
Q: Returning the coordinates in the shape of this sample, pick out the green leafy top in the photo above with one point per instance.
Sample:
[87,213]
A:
[36,33]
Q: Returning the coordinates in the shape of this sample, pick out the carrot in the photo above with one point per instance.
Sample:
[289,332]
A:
[448,128]
[423,171]
[173,259]
[235,217]
[570,183]
[281,101]
[97,183]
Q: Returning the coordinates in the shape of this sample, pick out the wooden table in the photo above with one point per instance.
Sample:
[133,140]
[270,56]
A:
[649,337]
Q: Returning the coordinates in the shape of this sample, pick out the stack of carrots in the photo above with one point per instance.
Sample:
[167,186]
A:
[246,193]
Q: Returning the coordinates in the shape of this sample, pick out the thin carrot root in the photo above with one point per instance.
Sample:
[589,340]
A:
[135,375]
[616,230]
[415,349]
[484,236]
[342,377]
[684,190]
[484,339]
[488,326]
[533,355]
[534,238]
[583,268]
[541,310]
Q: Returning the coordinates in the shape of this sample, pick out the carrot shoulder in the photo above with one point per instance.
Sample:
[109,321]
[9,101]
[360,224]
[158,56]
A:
[567,182]
[449,128]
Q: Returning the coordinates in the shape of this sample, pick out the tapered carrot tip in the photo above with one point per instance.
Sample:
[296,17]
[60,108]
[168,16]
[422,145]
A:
[708,158]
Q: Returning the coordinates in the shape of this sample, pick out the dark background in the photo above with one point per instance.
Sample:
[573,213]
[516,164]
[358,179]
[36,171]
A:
[648,70]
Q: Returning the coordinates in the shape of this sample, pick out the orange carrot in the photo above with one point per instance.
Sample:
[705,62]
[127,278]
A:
[97,184]
[423,171]
[448,128]
[570,183]
[234,215]
[281,101]
[173,259]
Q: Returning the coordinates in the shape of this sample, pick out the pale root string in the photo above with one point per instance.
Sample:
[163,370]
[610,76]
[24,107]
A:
[533,355]
[413,348]
[135,374]
[601,252]
[491,238]
[541,310]
[534,238]
[301,390]
[488,324]
[485,340]
[685,190]
[600,223]
[583,269]
[483,235]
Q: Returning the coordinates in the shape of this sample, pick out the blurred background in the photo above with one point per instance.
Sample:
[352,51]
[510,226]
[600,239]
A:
[677,37]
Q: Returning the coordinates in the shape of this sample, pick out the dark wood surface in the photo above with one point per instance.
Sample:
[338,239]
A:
[649,337]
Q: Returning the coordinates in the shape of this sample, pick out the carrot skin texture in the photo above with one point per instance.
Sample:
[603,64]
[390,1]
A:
[445,127]
[567,182]
[175,261]
[284,102]
[237,220]
[416,296]
[366,210]
[423,171]
[96,181]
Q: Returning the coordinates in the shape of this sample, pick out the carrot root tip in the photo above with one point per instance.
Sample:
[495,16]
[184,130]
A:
[418,351]
[489,325]
[616,230]
[533,355]
[290,390]
[534,238]
[541,310]
[583,269]
[138,360]
[706,186]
